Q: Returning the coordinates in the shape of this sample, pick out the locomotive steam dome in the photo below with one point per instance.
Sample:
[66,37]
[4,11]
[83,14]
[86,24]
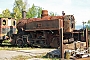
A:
[44,13]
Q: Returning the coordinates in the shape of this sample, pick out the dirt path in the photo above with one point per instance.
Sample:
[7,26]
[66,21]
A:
[7,54]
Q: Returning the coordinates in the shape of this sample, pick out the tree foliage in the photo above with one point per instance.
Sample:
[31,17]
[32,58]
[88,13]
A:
[1,15]
[19,5]
[34,11]
[6,13]
[17,14]
[88,25]
[39,12]
[52,14]
[88,21]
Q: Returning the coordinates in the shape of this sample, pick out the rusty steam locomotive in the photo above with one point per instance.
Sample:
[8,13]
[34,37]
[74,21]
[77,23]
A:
[44,31]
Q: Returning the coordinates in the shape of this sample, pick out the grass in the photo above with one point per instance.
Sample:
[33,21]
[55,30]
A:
[6,41]
[14,48]
[20,57]
[7,46]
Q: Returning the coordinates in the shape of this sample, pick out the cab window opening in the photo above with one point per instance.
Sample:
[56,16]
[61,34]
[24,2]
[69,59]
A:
[4,22]
[14,23]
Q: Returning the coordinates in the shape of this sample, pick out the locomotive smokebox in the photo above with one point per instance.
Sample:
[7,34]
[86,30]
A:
[24,14]
[44,13]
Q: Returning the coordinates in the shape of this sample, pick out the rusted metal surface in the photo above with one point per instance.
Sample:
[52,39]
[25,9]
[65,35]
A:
[44,13]
[49,24]
[68,21]
[61,23]
[67,26]
[56,17]
[21,23]
[43,25]
[86,38]
[61,43]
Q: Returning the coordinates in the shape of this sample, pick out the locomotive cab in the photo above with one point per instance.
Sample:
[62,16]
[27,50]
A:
[7,28]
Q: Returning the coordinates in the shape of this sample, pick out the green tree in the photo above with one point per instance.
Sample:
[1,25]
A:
[31,12]
[6,13]
[17,14]
[1,15]
[52,14]
[88,25]
[39,12]
[19,5]
[12,15]
[34,11]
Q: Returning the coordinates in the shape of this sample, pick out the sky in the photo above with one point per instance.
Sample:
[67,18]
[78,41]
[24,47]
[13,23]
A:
[79,8]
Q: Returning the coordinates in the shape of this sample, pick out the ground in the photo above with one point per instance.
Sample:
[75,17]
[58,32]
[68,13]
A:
[8,54]
[84,58]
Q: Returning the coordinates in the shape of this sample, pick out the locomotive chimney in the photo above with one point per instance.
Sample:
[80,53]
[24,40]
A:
[24,14]
[44,13]
[63,13]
